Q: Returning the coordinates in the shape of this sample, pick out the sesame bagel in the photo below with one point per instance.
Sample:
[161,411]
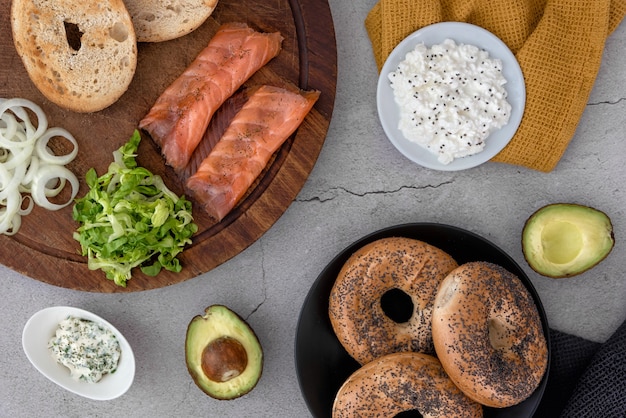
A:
[402,382]
[488,334]
[80,55]
[356,314]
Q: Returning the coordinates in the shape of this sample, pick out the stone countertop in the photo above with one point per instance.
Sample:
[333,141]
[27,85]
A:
[360,184]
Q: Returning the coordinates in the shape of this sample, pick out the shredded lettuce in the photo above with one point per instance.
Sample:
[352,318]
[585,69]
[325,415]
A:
[129,218]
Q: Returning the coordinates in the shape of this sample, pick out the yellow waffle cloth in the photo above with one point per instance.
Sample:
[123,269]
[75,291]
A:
[558,44]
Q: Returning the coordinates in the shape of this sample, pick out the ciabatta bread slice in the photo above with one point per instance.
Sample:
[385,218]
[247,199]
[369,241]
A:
[81,55]
[162,20]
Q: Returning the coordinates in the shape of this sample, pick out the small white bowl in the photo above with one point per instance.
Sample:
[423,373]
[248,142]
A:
[461,33]
[41,327]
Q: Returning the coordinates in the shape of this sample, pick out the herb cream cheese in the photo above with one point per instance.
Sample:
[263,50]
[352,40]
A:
[88,349]
[451,97]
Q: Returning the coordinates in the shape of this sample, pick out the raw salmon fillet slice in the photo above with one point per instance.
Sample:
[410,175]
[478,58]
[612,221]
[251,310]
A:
[263,124]
[217,126]
[179,117]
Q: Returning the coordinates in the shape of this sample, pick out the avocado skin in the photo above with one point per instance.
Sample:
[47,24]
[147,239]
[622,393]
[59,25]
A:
[219,321]
[594,224]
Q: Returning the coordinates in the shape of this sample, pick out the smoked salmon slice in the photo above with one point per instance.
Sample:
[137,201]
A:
[179,117]
[263,124]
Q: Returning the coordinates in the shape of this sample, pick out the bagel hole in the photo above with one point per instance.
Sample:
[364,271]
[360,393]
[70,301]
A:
[73,35]
[498,334]
[397,305]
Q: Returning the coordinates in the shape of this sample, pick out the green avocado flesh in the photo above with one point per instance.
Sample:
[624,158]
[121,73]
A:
[223,354]
[564,239]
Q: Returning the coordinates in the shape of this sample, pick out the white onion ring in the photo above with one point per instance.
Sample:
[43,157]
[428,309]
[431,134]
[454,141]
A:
[14,180]
[9,212]
[27,165]
[29,207]
[42,150]
[40,191]
[18,156]
[30,174]
[8,126]
[18,106]
[16,222]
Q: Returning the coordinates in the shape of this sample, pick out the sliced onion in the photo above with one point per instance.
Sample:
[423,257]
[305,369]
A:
[42,150]
[16,222]
[9,212]
[15,179]
[27,165]
[18,156]
[30,174]
[44,176]
[30,204]
[8,127]
[18,106]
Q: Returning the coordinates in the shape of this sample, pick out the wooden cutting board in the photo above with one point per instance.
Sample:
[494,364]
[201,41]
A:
[44,249]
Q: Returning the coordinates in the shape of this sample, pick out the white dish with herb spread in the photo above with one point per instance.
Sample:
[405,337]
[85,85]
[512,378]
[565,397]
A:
[88,349]
[80,352]
[500,71]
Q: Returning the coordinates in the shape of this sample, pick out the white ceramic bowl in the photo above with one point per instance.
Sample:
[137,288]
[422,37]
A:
[41,327]
[461,33]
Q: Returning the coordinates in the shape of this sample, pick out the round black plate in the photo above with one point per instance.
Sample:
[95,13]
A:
[322,365]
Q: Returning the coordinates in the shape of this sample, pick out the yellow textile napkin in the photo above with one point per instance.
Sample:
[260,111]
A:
[558,43]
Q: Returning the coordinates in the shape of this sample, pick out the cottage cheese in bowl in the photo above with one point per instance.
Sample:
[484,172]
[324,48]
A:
[451,96]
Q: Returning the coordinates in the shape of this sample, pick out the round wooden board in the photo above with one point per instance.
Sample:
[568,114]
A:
[44,248]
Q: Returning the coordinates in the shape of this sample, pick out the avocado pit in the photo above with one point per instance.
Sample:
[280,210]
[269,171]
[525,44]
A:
[223,354]
[224,359]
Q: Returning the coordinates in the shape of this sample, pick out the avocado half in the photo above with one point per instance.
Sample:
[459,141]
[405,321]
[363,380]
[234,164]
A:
[223,354]
[566,239]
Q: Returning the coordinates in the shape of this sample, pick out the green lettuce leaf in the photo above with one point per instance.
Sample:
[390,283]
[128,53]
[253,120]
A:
[129,218]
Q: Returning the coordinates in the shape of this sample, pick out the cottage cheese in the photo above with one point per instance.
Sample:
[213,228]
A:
[451,97]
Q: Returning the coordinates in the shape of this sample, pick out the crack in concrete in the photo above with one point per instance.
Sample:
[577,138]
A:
[376,192]
[183,400]
[264,285]
[608,102]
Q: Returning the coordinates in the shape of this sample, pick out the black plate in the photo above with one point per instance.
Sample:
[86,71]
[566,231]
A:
[322,365]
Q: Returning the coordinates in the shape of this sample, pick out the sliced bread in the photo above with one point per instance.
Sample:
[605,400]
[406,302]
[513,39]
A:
[81,55]
[162,20]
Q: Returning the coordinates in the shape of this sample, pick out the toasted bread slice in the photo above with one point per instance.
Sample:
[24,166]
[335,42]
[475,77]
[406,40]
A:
[81,55]
[162,20]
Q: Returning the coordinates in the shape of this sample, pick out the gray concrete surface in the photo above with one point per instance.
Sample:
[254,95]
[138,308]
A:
[360,184]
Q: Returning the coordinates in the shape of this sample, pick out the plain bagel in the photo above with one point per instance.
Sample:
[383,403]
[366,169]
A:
[163,20]
[356,314]
[488,334]
[81,55]
[402,382]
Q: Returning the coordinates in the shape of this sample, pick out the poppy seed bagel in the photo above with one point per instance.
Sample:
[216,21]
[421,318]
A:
[402,382]
[356,313]
[488,334]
